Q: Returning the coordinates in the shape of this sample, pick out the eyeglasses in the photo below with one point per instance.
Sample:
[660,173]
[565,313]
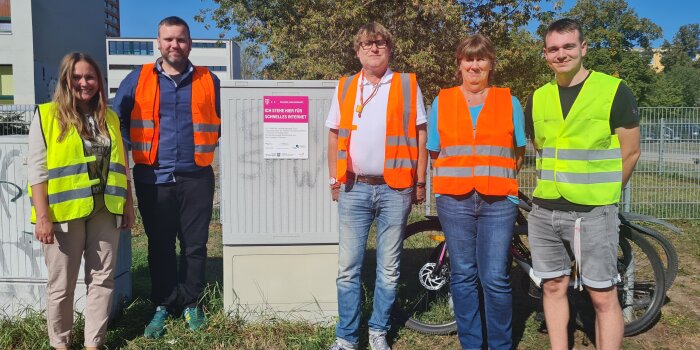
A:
[366,45]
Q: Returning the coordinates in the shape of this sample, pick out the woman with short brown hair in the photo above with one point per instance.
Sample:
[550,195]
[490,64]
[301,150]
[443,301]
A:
[476,140]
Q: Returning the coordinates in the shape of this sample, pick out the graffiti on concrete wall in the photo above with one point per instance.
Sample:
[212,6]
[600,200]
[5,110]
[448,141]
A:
[250,162]
[19,247]
[9,192]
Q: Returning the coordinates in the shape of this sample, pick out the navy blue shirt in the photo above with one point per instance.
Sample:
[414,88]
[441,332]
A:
[176,134]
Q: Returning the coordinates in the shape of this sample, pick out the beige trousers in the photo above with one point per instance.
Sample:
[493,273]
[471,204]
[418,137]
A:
[96,238]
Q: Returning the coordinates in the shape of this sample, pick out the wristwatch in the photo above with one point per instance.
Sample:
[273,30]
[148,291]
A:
[334,183]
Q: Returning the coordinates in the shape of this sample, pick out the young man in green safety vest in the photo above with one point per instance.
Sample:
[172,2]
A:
[585,128]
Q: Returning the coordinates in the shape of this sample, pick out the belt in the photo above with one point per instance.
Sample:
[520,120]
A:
[370,180]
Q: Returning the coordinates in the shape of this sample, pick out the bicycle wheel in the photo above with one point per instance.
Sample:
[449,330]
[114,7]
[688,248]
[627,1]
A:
[641,291]
[423,296]
[666,250]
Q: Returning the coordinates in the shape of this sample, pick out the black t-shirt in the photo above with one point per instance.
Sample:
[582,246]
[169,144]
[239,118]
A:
[623,112]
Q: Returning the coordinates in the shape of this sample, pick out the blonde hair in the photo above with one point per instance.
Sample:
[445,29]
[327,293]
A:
[67,113]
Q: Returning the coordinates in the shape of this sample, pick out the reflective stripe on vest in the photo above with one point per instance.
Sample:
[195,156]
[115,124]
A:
[69,187]
[144,132]
[401,151]
[577,157]
[483,159]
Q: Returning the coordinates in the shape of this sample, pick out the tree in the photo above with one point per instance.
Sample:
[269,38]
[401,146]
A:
[618,42]
[520,65]
[251,62]
[614,25]
[312,39]
[683,50]
[666,93]
[688,80]
[635,70]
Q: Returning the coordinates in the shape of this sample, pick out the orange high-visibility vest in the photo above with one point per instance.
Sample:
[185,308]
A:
[145,117]
[401,152]
[483,159]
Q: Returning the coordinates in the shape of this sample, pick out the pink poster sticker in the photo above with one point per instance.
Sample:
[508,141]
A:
[286,109]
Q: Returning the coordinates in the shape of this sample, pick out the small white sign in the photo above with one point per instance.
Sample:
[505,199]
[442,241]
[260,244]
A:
[286,127]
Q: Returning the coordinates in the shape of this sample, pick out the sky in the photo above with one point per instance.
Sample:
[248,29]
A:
[139,18]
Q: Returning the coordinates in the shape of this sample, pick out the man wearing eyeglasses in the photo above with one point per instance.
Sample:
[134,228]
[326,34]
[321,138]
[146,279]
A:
[377,161]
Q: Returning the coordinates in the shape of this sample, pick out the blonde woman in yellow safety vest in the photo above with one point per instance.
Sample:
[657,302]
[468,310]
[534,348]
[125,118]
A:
[81,197]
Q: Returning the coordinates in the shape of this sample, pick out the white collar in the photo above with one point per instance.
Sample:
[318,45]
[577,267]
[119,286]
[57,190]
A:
[386,78]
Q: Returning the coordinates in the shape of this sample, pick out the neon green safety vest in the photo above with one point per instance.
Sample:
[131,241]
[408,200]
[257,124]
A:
[578,158]
[69,186]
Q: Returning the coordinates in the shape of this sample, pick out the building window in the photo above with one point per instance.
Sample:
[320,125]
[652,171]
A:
[140,48]
[208,45]
[217,68]
[7,90]
[124,66]
[5,16]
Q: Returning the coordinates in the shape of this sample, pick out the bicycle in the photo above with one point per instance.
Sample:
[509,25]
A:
[667,253]
[425,301]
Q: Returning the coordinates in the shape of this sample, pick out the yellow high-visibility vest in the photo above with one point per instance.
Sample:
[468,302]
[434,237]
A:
[69,186]
[578,158]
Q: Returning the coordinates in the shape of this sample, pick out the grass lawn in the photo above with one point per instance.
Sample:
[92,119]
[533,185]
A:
[677,327]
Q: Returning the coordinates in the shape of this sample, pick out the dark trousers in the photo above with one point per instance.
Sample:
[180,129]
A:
[179,210]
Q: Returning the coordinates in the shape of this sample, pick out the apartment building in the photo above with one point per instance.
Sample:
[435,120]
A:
[36,34]
[112,27]
[222,57]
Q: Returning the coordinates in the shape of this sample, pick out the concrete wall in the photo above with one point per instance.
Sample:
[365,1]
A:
[74,25]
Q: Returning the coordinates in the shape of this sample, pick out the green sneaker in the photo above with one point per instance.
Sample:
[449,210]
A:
[195,317]
[156,327]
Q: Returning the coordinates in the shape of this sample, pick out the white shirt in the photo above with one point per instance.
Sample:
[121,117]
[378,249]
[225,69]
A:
[367,143]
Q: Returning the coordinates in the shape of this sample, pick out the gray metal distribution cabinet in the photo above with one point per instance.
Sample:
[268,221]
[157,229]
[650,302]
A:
[280,227]
[22,268]
[274,201]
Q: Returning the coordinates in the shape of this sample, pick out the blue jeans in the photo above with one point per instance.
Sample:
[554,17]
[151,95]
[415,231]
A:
[478,231]
[357,208]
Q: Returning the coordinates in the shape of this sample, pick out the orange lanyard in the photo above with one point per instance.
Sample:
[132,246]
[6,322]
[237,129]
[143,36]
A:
[363,103]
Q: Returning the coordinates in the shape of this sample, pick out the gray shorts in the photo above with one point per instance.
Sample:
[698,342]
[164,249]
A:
[550,233]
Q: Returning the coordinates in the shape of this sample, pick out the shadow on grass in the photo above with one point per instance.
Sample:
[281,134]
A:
[130,324]
[524,306]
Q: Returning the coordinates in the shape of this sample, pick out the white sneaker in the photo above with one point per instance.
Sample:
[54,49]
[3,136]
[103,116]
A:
[378,342]
[337,346]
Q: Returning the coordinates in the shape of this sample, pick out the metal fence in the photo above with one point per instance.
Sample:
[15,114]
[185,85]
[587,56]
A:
[666,181]
[665,184]
[15,119]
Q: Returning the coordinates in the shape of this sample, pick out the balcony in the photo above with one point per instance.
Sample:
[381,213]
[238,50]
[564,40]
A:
[5,24]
